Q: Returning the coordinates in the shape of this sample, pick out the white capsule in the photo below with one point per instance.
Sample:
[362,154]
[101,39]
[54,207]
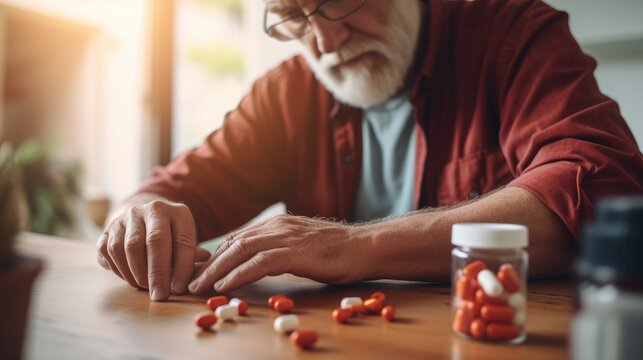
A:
[227,312]
[517,301]
[490,284]
[234,302]
[348,301]
[519,318]
[286,323]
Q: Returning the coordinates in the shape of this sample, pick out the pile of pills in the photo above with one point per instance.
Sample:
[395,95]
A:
[489,306]
[225,310]
[353,306]
[289,324]
[220,308]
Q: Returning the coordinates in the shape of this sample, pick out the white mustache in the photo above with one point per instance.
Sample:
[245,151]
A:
[350,51]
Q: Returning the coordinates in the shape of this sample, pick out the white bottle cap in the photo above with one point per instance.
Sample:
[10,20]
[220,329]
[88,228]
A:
[489,236]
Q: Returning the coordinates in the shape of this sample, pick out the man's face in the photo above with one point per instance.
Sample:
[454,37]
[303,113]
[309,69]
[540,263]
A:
[362,59]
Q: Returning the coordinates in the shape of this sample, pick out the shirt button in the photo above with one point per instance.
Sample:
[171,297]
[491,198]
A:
[474,193]
[347,158]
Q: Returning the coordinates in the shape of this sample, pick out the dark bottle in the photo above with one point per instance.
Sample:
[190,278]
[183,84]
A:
[609,324]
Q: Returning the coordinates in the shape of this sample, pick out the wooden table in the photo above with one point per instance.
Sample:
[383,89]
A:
[80,310]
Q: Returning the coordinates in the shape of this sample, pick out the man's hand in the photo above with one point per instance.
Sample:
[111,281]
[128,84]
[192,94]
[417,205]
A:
[152,246]
[320,250]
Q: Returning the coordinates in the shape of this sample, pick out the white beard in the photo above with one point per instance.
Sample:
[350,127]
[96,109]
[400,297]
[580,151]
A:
[361,85]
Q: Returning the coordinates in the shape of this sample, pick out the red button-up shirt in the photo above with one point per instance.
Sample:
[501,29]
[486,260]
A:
[505,97]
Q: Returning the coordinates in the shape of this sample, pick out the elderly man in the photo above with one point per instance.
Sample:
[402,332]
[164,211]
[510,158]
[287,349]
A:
[400,119]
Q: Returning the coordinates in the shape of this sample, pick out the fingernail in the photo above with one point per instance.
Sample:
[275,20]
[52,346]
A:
[218,285]
[179,287]
[194,285]
[158,294]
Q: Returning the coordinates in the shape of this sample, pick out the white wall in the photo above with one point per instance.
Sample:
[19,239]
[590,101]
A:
[110,92]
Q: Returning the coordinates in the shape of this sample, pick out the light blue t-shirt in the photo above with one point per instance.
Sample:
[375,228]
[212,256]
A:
[388,161]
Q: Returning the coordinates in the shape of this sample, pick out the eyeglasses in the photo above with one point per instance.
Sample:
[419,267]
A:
[284,23]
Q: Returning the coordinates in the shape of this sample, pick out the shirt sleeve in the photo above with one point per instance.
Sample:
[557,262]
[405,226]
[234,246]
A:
[239,169]
[566,142]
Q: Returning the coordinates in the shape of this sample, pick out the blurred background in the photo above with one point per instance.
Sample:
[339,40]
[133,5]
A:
[97,92]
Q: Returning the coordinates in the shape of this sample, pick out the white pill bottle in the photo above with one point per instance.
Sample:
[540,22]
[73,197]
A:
[489,281]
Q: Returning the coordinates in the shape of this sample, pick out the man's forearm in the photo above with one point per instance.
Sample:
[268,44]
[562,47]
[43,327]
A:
[418,245]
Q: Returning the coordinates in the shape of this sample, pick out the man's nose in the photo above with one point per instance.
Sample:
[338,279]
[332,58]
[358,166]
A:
[330,35]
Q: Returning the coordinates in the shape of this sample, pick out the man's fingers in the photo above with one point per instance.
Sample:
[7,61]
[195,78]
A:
[198,266]
[202,254]
[267,263]
[222,247]
[102,262]
[183,249]
[234,253]
[158,243]
[116,251]
[135,249]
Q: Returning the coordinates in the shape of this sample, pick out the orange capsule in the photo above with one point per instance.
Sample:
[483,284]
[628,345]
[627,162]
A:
[241,305]
[496,313]
[472,308]
[216,301]
[342,315]
[465,288]
[461,322]
[374,306]
[358,309]
[379,296]
[471,270]
[304,338]
[482,298]
[509,278]
[502,331]
[388,313]
[284,305]
[272,299]
[205,320]
[478,328]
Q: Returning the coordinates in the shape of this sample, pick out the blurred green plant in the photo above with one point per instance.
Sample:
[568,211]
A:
[13,214]
[50,187]
[219,60]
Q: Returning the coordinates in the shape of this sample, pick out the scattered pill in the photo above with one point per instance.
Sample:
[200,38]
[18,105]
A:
[284,305]
[495,313]
[517,301]
[497,331]
[465,288]
[388,313]
[482,298]
[216,301]
[205,320]
[358,309]
[241,305]
[473,269]
[226,312]
[286,323]
[509,278]
[342,315]
[374,306]
[379,296]
[461,321]
[478,328]
[348,301]
[272,299]
[304,338]
[488,282]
